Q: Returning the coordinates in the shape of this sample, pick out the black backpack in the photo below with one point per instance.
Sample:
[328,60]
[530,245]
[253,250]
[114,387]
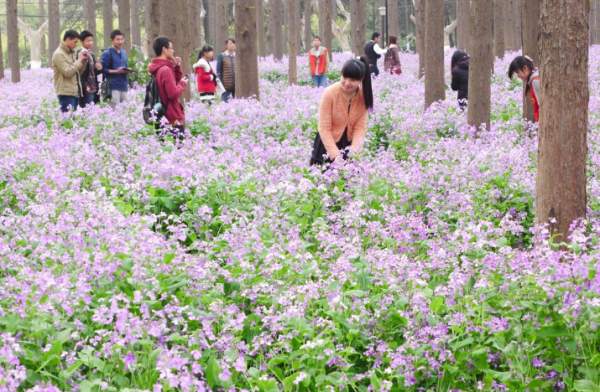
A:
[154,109]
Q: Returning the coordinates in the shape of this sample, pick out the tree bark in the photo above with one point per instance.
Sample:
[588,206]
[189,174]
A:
[276,28]
[499,47]
[175,24]
[53,27]
[89,7]
[260,27]
[562,151]
[358,23]
[246,75]
[462,27]
[308,34]
[434,52]
[136,33]
[480,65]
[1,57]
[194,9]
[12,35]
[325,24]
[420,34]
[152,23]
[107,19]
[594,23]
[42,11]
[125,22]
[293,18]
[221,24]
[530,28]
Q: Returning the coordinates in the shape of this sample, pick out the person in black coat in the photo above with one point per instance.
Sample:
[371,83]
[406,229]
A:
[459,66]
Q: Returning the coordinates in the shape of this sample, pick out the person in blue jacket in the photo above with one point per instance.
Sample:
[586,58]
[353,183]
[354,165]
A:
[114,65]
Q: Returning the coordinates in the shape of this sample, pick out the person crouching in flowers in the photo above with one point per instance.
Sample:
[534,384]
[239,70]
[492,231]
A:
[206,78]
[524,68]
[343,114]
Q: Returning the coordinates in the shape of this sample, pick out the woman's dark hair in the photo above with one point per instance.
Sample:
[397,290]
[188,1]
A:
[393,39]
[84,34]
[159,44]
[70,34]
[358,69]
[459,57]
[205,49]
[518,64]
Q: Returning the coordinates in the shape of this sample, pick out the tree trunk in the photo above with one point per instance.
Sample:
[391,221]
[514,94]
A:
[530,23]
[175,24]
[325,24]
[276,28]
[125,22]
[136,33]
[394,18]
[462,27]
[152,23]
[420,34]
[358,23]
[594,23]
[480,64]
[260,27]
[517,20]
[308,34]
[54,37]
[42,11]
[12,35]
[562,150]
[90,15]
[195,8]
[1,57]
[434,52]
[499,7]
[107,19]
[221,24]
[293,17]
[246,75]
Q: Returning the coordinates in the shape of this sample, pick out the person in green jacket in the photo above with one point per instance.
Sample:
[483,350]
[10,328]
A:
[67,67]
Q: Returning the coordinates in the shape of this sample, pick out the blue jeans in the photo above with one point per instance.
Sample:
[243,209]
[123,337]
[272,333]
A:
[68,102]
[87,99]
[320,80]
[227,95]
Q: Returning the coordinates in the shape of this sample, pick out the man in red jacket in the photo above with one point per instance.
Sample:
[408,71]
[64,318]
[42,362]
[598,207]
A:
[170,81]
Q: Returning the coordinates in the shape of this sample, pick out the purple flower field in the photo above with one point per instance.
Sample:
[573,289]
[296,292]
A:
[227,263]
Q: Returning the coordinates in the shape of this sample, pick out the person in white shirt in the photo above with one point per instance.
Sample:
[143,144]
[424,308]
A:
[373,52]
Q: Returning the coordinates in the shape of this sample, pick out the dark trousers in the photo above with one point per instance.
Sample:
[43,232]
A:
[319,154]
[227,95]
[374,69]
[68,103]
[87,99]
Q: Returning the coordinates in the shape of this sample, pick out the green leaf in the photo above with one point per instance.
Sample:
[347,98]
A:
[586,386]
[213,371]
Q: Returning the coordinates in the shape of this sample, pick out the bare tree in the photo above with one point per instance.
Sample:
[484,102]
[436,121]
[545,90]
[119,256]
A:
[419,21]
[308,34]
[358,23]
[125,22]
[394,18]
[246,77]
[34,37]
[531,30]
[293,19]
[222,23]
[562,151]
[434,52]
[107,19]
[325,23]
[89,10]
[151,23]
[499,7]
[136,33]
[342,31]
[275,28]
[176,24]
[53,27]
[42,12]
[480,68]
[12,34]
[260,26]
[1,57]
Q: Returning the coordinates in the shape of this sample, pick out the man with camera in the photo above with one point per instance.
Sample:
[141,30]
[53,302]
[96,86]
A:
[67,67]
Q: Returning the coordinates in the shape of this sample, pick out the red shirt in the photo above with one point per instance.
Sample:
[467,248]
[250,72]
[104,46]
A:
[205,77]
[318,61]
[170,87]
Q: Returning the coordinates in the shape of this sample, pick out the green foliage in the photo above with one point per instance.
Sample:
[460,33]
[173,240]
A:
[139,63]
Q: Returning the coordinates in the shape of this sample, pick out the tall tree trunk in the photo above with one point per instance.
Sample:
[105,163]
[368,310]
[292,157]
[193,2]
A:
[194,9]
[260,27]
[499,7]
[222,24]
[562,150]
[480,64]
[12,35]
[125,22]
[276,28]
[53,27]
[42,11]
[420,34]
[434,52]
[246,75]
[531,29]
[463,23]
[89,7]
[1,57]
[325,24]
[308,34]
[151,23]
[136,33]
[394,18]
[293,17]
[594,23]
[175,24]
[358,23]
[517,22]
[107,20]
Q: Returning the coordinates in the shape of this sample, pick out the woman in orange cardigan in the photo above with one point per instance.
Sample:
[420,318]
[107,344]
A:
[343,114]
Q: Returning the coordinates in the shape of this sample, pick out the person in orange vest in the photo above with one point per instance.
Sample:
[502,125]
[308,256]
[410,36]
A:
[318,58]
[526,71]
